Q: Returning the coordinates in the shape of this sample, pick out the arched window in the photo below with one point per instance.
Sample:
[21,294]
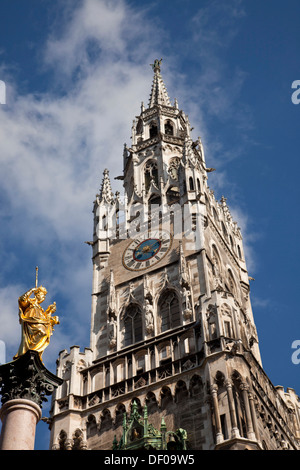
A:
[216,261]
[207,203]
[153,130]
[139,127]
[119,371]
[191,183]
[231,282]
[132,325]
[215,214]
[104,222]
[154,212]
[169,128]
[224,230]
[168,310]
[62,440]
[227,321]
[91,426]
[173,195]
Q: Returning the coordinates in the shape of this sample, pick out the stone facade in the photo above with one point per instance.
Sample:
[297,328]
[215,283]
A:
[173,330]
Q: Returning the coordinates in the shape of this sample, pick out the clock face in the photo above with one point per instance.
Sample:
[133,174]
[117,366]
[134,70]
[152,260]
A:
[146,250]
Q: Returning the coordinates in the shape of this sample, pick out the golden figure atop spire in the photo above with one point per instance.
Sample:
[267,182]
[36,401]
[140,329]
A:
[36,323]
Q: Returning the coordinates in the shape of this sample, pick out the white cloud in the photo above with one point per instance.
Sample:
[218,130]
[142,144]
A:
[9,315]
[55,145]
[54,148]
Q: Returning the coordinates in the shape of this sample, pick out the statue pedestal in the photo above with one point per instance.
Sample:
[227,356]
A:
[19,419]
[24,384]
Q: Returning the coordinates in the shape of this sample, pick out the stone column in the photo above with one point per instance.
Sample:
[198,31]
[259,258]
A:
[24,383]
[245,389]
[219,434]
[234,428]
[19,419]
[253,414]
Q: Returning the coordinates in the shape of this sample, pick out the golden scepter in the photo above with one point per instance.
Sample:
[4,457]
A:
[36,276]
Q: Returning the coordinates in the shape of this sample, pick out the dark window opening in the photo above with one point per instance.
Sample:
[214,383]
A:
[153,130]
[169,128]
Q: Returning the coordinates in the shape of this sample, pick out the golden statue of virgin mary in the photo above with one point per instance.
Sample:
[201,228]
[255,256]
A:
[37,323]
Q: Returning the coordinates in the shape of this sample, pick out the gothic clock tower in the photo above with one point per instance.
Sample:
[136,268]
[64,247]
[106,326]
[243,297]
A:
[172,330]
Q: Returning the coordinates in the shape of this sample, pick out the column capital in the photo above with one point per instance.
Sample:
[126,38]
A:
[244,387]
[27,378]
[213,388]
[228,383]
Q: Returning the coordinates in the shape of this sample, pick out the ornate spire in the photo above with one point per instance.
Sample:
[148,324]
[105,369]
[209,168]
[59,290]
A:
[159,94]
[106,194]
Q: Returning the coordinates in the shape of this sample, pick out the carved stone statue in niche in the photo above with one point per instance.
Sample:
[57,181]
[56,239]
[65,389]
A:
[112,332]
[148,290]
[149,319]
[217,274]
[186,302]
[211,316]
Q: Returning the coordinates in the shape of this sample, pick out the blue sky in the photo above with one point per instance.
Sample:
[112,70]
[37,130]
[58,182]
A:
[76,73]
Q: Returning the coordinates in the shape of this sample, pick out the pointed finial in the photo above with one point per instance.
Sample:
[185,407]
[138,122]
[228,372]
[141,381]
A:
[163,426]
[106,193]
[159,94]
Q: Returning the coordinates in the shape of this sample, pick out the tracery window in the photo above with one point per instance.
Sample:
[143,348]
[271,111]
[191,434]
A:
[168,310]
[133,325]
[231,282]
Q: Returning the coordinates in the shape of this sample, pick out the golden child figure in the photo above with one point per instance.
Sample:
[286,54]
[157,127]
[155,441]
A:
[37,323]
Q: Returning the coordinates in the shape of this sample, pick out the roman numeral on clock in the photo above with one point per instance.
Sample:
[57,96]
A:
[131,263]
